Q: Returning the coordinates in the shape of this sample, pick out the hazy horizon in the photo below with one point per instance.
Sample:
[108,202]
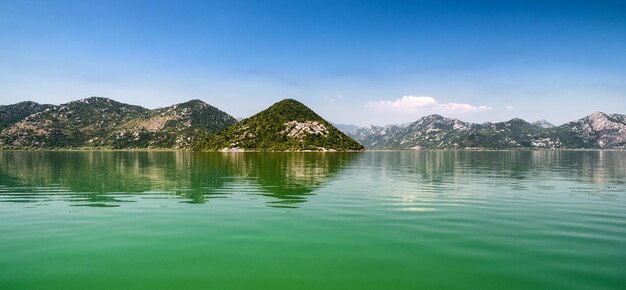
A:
[338,123]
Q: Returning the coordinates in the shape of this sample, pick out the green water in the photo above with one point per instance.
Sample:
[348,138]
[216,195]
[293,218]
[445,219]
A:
[373,220]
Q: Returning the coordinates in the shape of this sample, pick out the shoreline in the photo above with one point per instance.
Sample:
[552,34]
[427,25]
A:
[297,151]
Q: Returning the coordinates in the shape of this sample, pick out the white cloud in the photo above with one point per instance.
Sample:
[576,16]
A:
[403,104]
[508,107]
[412,103]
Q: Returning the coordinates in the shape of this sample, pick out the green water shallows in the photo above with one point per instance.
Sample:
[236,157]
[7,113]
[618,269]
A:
[372,220]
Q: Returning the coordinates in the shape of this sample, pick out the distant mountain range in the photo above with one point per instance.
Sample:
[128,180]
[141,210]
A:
[287,125]
[598,130]
[543,124]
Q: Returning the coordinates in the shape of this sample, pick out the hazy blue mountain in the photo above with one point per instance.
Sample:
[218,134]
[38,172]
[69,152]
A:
[375,136]
[346,128]
[543,124]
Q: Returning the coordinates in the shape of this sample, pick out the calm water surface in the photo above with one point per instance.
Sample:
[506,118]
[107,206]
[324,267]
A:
[374,220]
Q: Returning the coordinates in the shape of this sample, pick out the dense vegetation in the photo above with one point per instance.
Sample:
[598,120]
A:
[269,131]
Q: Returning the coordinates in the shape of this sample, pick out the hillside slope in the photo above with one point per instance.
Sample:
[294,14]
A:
[105,123]
[177,126]
[286,125]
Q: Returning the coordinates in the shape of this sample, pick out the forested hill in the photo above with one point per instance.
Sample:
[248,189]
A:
[285,126]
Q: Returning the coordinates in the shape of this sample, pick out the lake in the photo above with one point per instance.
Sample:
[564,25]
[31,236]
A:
[363,220]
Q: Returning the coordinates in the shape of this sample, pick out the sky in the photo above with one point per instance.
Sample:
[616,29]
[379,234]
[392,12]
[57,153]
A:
[353,62]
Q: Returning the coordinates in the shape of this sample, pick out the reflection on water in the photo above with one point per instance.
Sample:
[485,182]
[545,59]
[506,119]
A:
[290,177]
[375,220]
[97,178]
[441,166]
[416,181]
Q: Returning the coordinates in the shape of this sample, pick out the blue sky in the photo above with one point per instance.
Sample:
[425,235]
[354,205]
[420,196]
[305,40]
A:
[361,62]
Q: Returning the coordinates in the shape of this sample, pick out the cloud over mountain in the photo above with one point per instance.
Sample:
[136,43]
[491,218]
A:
[413,103]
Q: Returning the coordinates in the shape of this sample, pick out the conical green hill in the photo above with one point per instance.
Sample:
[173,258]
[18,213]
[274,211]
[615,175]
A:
[285,126]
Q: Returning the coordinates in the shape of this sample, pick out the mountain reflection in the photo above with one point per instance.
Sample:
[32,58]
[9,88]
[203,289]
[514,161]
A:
[460,175]
[290,177]
[97,178]
[446,166]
